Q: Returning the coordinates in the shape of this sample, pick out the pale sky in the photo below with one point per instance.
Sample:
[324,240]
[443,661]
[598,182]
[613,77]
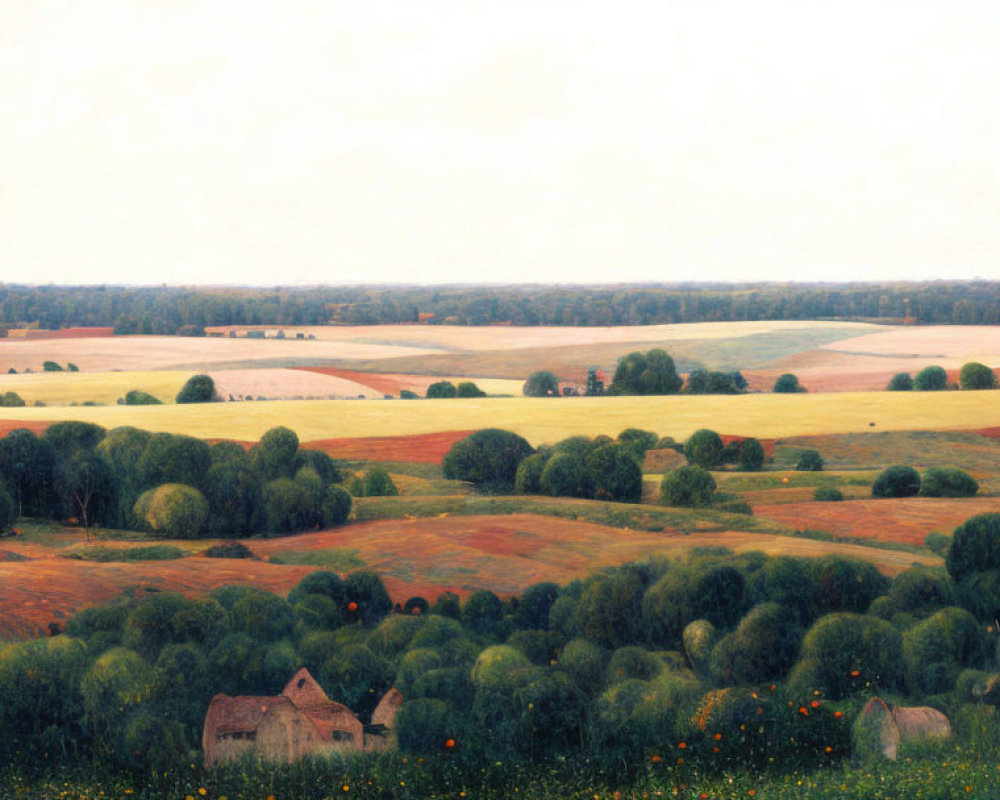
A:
[208,141]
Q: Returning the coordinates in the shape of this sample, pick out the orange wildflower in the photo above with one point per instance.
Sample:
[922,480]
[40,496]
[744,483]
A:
[352,606]
[804,710]
[815,704]
[449,743]
[718,736]
[656,759]
[682,745]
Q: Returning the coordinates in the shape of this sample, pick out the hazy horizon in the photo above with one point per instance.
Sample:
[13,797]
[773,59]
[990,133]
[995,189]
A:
[442,142]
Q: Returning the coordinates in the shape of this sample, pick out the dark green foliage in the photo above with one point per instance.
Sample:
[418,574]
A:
[947,482]
[377,483]
[235,498]
[939,648]
[847,584]
[690,487]
[638,441]
[423,726]
[608,610]
[788,581]
[632,662]
[809,461]
[615,474]
[85,488]
[228,550]
[172,458]
[441,389]
[468,389]
[652,373]
[230,453]
[139,398]
[751,455]
[336,506]
[704,449]
[844,654]
[322,582]
[358,676]
[67,438]
[976,376]
[175,510]
[699,638]
[536,602]
[201,620]
[595,386]
[980,593]
[288,506]
[937,542]
[565,475]
[828,493]
[325,466]
[527,479]
[787,384]
[406,394]
[482,612]
[51,366]
[25,466]
[447,605]
[584,662]
[666,609]
[975,546]
[488,458]
[762,648]
[896,481]
[416,606]
[931,379]
[150,624]
[198,389]
[316,612]
[901,382]
[274,455]
[704,382]
[451,684]
[262,616]
[11,400]
[718,594]
[537,645]
[367,590]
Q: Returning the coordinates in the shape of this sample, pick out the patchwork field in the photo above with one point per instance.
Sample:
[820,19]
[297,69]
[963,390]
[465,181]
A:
[424,556]
[548,420]
[907,520]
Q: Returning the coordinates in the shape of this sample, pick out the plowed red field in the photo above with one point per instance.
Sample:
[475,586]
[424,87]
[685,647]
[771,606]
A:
[906,520]
[427,448]
[414,557]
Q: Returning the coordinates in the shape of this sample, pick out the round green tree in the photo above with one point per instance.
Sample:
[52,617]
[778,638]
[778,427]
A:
[931,379]
[896,481]
[198,389]
[901,382]
[947,482]
[488,458]
[976,376]
[788,384]
[541,384]
[704,449]
[441,389]
[692,487]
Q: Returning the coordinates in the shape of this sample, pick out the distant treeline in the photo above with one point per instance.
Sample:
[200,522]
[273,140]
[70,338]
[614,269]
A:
[165,310]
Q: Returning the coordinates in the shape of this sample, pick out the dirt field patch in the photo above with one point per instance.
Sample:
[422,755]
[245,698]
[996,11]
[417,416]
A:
[427,448]
[415,557]
[393,383]
[907,520]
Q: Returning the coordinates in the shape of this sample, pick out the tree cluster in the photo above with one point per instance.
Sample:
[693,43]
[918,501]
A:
[170,484]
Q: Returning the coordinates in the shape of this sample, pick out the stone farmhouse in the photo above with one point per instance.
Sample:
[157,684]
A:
[300,721]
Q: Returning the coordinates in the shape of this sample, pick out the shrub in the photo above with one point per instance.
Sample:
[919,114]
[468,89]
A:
[441,389]
[469,389]
[843,654]
[977,376]
[584,661]
[11,400]
[172,458]
[751,455]
[809,461]
[947,482]
[541,384]
[638,441]
[652,373]
[931,379]
[367,590]
[488,458]
[377,483]
[288,506]
[788,384]
[762,648]
[691,487]
[633,662]
[828,493]
[274,456]
[704,449]
[700,638]
[896,481]
[527,479]
[51,366]
[564,475]
[406,394]
[174,509]
[615,474]
[975,546]
[139,398]
[937,542]
[324,583]
[229,550]
[336,506]
[936,650]
[901,382]
[198,389]
[482,612]
[847,584]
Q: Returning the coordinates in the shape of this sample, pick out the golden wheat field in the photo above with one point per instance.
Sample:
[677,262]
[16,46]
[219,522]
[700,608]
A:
[548,420]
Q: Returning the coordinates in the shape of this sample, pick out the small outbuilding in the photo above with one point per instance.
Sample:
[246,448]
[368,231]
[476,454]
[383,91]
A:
[301,721]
